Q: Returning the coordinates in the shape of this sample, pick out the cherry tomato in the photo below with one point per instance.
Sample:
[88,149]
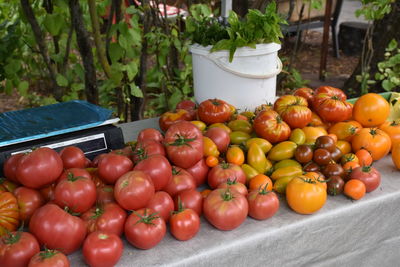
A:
[263,204]
[354,189]
[325,142]
[303,153]
[335,185]
[322,156]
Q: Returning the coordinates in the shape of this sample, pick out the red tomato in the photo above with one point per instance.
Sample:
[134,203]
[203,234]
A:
[102,249]
[307,93]
[220,137]
[108,218]
[147,148]
[225,209]
[168,118]
[213,111]
[76,193]
[293,110]
[17,248]
[49,258]
[161,203]
[190,199]
[113,166]
[224,171]
[29,200]
[368,175]
[184,144]
[144,229]
[263,204]
[199,171]
[181,180]
[97,159]
[158,168]
[74,172]
[73,157]
[188,105]
[48,192]
[105,194]
[184,224]
[39,168]
[57,229]
[150,134]
[133,190]
[234,185]
[330,104]
[269,125]
[10,167]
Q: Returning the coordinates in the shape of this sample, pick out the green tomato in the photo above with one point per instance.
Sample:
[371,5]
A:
[281,183]
[283,150]
[249,171]
[286,163]
[298,136]
[286,171]
[261,142]
[238,137]
[240,125]
[256,158]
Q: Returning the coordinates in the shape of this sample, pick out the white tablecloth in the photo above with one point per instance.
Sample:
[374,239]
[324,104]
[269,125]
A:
[343,233]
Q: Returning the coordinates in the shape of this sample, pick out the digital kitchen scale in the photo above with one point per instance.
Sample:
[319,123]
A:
[76,123]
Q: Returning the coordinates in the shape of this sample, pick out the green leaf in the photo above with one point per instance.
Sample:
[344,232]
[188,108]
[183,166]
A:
[131,70]
[135,90]
[77,87]
[23,88]
[53,23]
[12,67]
[175,98]
[9,87]
[61,80]
[123,42]
[392,45]
[115,51]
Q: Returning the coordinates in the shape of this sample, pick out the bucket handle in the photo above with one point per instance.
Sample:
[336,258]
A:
[223,66]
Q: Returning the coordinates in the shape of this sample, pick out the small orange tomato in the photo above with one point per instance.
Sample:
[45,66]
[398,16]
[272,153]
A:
[364,157]
[348,157]
[374,140]
[396,155]
[354,189]
[350,165]
[235,155]
[344,146]
[260,181]
[371,110]
[392,129]
[212,161]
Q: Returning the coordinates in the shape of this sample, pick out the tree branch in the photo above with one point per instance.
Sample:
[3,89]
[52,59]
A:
[37,32]
[85,50]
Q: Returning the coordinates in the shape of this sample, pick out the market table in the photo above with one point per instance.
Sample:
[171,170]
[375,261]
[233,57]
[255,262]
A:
[344,232]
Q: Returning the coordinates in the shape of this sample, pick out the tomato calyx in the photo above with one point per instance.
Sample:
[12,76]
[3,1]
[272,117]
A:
[97,212]
[68,210]
[72,178]
[11,238]
[146,219]
[231,182]
[180,207]
[373,132]
[225,165]
[102,236]
[47,253]
[140,153]
[227,195]
[215,102]
[366,168]
[181,141]
[175,171]
[394,123]
[279,119]
[262,190]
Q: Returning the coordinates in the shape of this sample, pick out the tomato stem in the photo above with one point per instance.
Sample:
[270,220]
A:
[11,238]
[263,190]
[47,253]
[146,219]
[227,195]
[181,141]
[175,171]
[231,182]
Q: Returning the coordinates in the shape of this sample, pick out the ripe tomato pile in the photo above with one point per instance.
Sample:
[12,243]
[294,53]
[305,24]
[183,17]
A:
[210,160]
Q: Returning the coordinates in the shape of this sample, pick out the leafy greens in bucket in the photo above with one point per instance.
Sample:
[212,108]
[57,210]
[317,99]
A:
[255,28]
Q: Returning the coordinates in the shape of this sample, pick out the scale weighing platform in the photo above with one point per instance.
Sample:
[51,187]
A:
[76,123]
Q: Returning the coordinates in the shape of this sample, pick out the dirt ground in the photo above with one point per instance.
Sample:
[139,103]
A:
[307,61]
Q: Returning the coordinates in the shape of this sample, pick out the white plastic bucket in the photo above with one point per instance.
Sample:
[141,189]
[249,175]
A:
[246,82]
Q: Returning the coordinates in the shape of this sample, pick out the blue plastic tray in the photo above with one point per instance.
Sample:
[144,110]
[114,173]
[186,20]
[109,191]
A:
[35,123]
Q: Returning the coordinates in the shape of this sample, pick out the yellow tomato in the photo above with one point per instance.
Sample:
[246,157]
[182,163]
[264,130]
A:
[249,171]
[240,125]
[285,163]
[312,133]
[238,137]
[286,171]
[281,183]
[261,142]
[209,147]
[220,125]
[256,158]
[235,155]
[344,146]
[298,136]
[304,195]
[282,150]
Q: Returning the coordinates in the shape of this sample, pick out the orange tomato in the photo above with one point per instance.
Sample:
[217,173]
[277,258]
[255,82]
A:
[348,157]
[344,146]
[396,155]
[212,161]
[364,157]
[317,177]
[344,130]
[260,181]
[304,195]
[235,155]
[376,141]
[315,120]
[393,130]
[350,165]
[371,110]
[354,189]
[312,133]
